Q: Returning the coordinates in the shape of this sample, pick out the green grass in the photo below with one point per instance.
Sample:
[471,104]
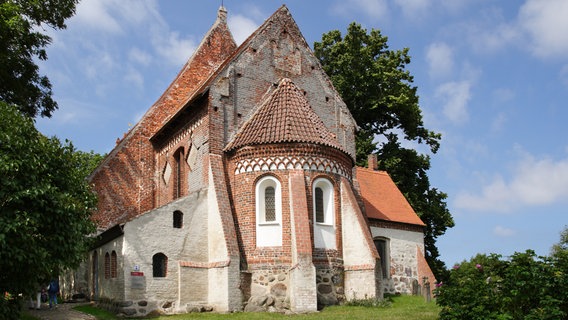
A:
[402,308]
[100,314]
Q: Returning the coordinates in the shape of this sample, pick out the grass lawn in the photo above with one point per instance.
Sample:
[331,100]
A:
[402,308]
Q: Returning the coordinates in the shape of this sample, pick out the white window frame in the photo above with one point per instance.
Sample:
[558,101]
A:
[324,232]
[268,233]
[328,201]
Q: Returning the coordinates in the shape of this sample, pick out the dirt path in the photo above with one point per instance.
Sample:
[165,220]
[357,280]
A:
[64,311]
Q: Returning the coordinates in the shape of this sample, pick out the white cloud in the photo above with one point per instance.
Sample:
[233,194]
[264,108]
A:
[503,232]
[413,8]
[134,77]
[455,97]
[499,122]
[490,39]
[96,15]
[241,27]
[440,58]
[370,8]
[546,24]
[175,49]
[139,56]
[534,182]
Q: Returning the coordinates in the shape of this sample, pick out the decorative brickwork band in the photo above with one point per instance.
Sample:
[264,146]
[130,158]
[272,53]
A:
[291,163]
[185,132]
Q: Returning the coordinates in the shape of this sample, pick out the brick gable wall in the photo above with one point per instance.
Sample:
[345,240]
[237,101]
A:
[126,180]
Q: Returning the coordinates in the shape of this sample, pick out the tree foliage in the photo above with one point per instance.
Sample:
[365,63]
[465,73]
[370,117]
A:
[523,286]
[21,22]
[377,89]
[45,204]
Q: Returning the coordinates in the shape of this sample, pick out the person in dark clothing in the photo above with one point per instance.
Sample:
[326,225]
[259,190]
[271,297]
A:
[52,291]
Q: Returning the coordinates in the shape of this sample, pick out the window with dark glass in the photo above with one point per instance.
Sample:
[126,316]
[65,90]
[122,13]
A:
[178,219]
[320,216]
[107,265]
[381,245]
[270,204]
[159,265]
[178,173]
[113,265]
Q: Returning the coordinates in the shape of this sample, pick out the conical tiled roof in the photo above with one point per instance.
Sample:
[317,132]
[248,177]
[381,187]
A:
[285,116]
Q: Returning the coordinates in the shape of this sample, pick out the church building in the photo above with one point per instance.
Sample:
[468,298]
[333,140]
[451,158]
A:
[238,191]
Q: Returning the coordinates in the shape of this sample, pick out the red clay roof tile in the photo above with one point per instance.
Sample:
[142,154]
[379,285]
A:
[382,198]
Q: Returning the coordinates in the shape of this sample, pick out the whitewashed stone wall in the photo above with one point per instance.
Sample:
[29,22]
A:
[403,262]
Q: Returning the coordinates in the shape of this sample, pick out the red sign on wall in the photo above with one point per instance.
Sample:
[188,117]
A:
[137,274]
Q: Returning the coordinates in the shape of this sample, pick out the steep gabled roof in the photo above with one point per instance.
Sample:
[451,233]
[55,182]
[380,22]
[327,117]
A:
[382,198]
[285,116]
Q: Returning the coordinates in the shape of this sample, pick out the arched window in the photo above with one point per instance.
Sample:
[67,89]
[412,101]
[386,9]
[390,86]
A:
[113,265]
[107,265]
[323,201]
[268,212]
[178,219]
[178,173]
[324,214]
[382,245]
[159,265]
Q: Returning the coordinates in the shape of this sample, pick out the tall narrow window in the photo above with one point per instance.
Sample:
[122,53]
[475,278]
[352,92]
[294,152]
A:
[107,265]
[324,214]
[159,265]
[318,195]
[269,204]
[178,219]
[113,265]
[94,284]
[382,249]
[178,173]
[268,212]
[323,201]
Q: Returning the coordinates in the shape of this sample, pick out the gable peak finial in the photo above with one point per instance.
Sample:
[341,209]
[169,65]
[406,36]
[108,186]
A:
[222,13]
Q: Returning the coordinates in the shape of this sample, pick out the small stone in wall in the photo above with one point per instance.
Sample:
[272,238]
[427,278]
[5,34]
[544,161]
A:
[278,290]
[124,304]
[129,312]
[324,288]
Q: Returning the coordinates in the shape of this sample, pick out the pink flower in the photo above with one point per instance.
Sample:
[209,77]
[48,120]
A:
[456,266]
[479,267]
[439,284]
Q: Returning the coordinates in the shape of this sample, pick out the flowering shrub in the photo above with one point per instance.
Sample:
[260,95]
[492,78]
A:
[522,287]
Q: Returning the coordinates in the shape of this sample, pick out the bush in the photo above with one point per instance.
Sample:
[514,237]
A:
[522,287]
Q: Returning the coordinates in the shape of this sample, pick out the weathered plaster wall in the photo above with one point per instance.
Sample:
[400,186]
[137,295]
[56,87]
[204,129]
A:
[153,233]
[403,261]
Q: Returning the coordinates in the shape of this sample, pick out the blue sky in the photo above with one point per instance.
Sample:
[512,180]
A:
[492,78]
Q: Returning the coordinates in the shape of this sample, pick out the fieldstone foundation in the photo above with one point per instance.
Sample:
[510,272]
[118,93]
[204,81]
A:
[269,292]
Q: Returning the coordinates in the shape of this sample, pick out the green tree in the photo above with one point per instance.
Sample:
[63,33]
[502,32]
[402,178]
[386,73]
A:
[522,287]
[378,90]
[559,257]
[20,24]
[45,206]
